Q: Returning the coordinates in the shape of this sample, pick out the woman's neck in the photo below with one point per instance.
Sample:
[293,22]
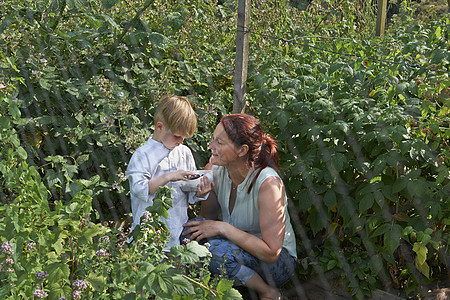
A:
[238,172]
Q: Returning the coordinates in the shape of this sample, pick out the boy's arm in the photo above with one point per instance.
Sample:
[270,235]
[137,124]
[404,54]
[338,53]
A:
[139,174]
[155,183]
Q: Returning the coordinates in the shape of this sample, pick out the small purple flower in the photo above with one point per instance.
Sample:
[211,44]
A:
[186,240]
[115,186]
[31,245]
[43,60]
[9,261]
[80,284]
[41,275]
[62,298]
[122,176]
[207,245]
[102,252]
[7,248]
[40,293]
[76,294]
[105,239]
[147,216]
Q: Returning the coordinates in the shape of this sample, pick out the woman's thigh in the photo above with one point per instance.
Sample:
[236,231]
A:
[241,265]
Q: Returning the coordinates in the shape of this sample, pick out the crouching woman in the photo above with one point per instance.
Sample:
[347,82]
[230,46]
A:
[254,241]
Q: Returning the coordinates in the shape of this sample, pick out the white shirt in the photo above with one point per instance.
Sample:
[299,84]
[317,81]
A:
[152,160]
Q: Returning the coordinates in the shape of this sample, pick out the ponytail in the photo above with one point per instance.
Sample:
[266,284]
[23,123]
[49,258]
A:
[267,157]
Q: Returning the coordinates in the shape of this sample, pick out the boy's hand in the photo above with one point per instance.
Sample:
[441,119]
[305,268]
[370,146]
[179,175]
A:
[180,175]
[204,187]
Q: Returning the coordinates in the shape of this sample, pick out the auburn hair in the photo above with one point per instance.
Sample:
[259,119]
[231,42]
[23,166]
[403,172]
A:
[244,129]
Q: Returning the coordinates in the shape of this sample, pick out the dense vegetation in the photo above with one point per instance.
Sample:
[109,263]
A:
[362,124]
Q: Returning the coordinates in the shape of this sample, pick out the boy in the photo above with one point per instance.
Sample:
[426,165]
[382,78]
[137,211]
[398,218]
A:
[164,160]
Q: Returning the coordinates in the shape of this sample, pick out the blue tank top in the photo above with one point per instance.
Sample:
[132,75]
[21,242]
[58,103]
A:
[245,214]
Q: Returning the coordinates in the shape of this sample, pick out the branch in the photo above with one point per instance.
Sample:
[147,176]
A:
[136,17]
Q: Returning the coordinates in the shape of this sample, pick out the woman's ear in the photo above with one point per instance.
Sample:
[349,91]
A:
[243,150]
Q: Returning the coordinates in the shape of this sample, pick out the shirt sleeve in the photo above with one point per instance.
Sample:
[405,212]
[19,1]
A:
[139,172]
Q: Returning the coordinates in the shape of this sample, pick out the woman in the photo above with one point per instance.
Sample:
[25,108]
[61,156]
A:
[254,242]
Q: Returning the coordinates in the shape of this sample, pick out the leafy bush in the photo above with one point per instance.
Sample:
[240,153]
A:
[365,151]
[58,252]
[362,124]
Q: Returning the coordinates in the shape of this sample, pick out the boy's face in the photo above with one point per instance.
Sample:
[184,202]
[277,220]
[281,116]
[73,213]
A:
[166,137]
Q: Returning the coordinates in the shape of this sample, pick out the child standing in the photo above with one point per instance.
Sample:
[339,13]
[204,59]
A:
[165,161]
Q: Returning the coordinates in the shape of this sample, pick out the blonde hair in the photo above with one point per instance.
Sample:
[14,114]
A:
[177,114]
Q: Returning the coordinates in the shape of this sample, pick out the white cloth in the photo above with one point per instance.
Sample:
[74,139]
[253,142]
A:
[152,160]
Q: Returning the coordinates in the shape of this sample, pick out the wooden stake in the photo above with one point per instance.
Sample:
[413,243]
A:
[381,18]
[240,71]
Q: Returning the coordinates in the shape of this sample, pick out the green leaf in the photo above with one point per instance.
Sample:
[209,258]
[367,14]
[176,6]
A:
[110,21]
[283,119]
[14,110]
[231,294]
[198,249]
[88,234]
[158,40]
[224,285]
[182,286]
[4,122]
[58,272]
[421,256]
[316,221]
[107,4]
[382,229]
[366,203]
[331,264]
[97,281]
[392,238]
[329,198]
[399,184]
[22,153]
[163,282]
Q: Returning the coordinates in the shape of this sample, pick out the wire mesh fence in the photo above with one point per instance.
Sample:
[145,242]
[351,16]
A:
[362,128]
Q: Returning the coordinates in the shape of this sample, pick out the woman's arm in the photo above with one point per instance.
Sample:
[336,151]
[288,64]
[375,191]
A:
[272,224]
[210,207]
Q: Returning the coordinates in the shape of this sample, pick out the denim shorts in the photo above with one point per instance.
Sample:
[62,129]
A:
[239,265]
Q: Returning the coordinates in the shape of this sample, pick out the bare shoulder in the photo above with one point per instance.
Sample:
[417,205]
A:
[271,183]
[271,192]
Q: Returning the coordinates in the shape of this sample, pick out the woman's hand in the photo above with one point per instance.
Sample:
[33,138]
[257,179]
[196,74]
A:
[203,229]
[204,187]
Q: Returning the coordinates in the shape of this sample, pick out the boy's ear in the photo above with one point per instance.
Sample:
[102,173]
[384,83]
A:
[159,125]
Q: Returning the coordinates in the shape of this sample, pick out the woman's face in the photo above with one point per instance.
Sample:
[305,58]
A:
[223,151]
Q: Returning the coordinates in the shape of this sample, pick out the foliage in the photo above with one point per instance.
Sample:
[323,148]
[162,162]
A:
[58,252]
[362,124]
[364,146]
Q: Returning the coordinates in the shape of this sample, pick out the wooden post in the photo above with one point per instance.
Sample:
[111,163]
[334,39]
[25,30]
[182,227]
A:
[240,71]
[381,18]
